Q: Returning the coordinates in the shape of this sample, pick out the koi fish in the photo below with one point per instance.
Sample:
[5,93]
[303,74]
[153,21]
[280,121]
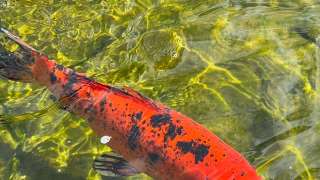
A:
[146,135]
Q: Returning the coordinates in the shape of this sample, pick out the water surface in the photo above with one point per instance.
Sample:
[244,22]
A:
[247,71]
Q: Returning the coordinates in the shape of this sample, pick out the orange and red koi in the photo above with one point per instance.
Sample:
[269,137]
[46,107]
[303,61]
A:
[151,137]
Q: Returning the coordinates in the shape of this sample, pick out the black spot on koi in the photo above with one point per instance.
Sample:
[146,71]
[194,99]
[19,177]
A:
[172,132]
[200,151]
[68,87]
[153,158]
[117,90]
[59,67]
[53,78]
[160,119]
[103,104]
[185,147]
[137,116]
[134,136]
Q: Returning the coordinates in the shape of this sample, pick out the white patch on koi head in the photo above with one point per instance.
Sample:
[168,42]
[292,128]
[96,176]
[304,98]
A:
[105,139]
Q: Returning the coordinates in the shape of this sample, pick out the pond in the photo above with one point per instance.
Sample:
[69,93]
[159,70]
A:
[246,70]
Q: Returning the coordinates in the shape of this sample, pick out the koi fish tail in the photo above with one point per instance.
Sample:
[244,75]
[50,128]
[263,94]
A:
[18,65]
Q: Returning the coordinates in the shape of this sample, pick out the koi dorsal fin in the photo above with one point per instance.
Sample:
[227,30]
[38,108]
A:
[134,93]
[139,96]
[113,165]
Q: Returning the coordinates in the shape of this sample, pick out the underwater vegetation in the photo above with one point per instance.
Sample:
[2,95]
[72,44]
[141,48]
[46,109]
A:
[246,71]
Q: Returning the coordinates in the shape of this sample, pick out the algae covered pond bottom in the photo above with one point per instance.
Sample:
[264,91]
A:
[247,71]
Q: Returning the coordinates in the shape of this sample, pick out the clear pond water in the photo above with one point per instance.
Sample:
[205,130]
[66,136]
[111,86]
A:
[247,70]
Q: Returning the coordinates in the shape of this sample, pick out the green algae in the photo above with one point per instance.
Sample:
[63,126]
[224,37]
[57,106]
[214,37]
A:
[239,68]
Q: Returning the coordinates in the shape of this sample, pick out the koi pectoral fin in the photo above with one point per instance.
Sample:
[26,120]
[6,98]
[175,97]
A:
[113,165]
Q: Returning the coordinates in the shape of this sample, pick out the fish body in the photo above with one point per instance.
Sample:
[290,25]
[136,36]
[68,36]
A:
[153,138]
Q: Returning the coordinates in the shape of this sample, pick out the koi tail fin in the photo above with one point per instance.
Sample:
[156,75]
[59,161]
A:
[17,66]
[113,165]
